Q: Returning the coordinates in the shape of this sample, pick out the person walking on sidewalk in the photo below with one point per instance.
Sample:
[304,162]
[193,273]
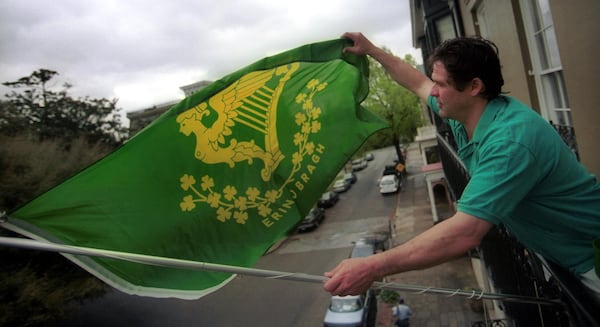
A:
[522,174]
[402,314]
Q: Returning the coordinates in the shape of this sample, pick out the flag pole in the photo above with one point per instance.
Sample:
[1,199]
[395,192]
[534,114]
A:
[271,274]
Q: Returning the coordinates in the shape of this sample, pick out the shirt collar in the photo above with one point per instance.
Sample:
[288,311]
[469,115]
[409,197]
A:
[488,116]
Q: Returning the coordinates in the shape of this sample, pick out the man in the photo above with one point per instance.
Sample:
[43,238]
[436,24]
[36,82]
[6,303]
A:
[402,314]
[522,173]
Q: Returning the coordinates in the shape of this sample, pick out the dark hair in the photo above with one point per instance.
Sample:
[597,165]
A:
[466,58]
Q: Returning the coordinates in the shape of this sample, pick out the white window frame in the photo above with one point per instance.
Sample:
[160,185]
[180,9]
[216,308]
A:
[553,99]
[481,13]
[445,29]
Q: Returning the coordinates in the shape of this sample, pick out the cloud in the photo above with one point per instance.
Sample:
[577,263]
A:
[141,52]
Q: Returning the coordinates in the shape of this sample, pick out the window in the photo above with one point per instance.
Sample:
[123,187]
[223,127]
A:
[482,21]
[341,305]
[445,28]
[546,65]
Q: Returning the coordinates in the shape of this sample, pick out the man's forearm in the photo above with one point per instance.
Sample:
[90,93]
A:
[443,242]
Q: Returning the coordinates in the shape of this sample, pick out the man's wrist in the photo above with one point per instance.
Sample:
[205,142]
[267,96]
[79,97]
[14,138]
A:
[379,266]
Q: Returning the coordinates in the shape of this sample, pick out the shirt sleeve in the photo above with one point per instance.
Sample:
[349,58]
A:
[505,173]
[432,102]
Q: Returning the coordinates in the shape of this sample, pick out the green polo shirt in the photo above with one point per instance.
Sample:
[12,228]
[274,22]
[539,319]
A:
[525,177]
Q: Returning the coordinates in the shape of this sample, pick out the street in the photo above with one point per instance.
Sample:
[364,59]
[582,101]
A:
[252,301]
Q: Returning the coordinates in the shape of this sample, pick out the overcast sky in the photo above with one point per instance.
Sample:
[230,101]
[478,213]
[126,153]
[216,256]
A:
[141,52]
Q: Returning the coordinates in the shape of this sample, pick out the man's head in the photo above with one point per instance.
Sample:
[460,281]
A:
[469,58]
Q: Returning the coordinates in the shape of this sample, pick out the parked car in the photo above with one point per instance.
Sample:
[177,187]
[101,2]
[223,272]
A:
[378,240]
[351,310]
[341,185]
[328,199]
[389,184]
[362,249]
[391,170]
[369,156]
[314,218]
[359,164]
[350,177]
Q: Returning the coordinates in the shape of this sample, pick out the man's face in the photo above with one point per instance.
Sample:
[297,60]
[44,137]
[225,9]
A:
[453,104]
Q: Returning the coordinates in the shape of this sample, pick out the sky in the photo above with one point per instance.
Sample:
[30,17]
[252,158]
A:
[141,52]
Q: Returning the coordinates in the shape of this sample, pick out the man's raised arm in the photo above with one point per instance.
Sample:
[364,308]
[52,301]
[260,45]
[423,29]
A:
[403,73]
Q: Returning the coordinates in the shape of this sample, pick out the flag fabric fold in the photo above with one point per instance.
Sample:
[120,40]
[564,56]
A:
[218,178]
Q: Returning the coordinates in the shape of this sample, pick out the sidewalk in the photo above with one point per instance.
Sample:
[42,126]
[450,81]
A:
[414,216]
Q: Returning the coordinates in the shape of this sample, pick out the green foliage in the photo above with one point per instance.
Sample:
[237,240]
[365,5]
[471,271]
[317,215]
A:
[389,296]
[38,287]
[34,107]
[29,167]
[394,103]
[46,137]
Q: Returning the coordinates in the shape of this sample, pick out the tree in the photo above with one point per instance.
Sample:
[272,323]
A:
[35,108]
[396,104]
[38,287]
[68,135]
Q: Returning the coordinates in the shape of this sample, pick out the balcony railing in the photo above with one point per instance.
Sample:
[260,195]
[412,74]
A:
[513,269]
[567,133]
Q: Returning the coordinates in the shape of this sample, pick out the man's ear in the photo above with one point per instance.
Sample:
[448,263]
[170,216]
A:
[477,86]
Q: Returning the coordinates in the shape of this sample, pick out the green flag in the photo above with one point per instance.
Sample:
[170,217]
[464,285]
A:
[219,177]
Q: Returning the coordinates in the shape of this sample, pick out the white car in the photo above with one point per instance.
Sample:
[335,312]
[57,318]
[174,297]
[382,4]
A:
[359,164]
[341,185]
[389,184]
[351,310]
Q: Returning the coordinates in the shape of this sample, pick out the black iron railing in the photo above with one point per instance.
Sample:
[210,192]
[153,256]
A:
[567,133]
[516,270]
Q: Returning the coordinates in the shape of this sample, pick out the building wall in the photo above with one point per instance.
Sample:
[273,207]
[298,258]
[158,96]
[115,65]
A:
[502,30]
[577,25]
[142,118]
